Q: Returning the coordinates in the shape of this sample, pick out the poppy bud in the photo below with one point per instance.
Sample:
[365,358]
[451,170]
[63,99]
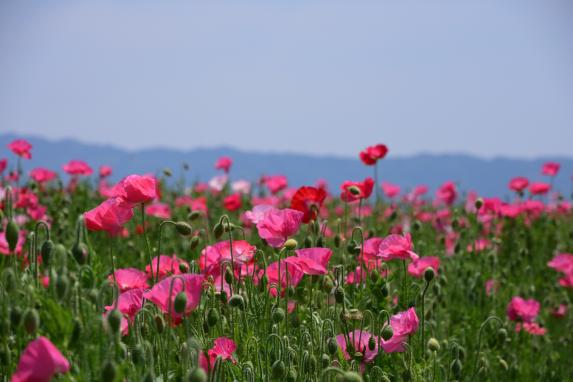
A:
[183,268]
[416,226]
[456,368]
[278,315]
[114,320]
[292,375]
[384,291]
[332,345]
[374,276]
[62,283]
[46,251]
[371,344]
[108,371]
[197,375]
[167,172]
[15,316]
[228,276]
[320,242]
[212,317]
[183,228]
[501,335]
[223,297]
[290,244]
[31,321]
[387,332]
[180,303]
[194,242]
[433,345]
[237,301]
[339,295]
[503,364]
[12,234]
[308,242]
[337,241]
[327,284]
[80,251]
[351,376]
[278,369]
[479,203]
[429,274]
[325,360]
[159,324]
[218,230]
[354,190]
[194,215]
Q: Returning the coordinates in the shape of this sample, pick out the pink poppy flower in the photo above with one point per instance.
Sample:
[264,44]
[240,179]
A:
[78,167]
[539,188]
[478,245]
[241,187]
[191,285]
[308,200]
[357,276]
[3,165]
[110,216]
[137,189]
[258,213]
[21,147]
[358,343]
[447,193]
[197,204]
[390,190]
[129,278]
[567,281]
[562,263]
[128,304]
[293,273]
[158,210]
[40,361]
[311,261]
[403,324]
[418,267]
[278,225]
[524,310]
[276,183]
[224,163]
[104,171]
[168,266]
[518,184]
[372,154]
[397,247]
[42,175]
[551,168]
[364,190]
[560,311]
[214,255]
[531,328]
[491,287]
[222,347]
[233,202]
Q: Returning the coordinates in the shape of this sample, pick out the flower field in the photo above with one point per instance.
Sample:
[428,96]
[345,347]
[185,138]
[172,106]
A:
[158,279]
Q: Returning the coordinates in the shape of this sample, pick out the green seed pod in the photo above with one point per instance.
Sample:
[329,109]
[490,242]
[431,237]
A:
[339,295]
[429,274]
[12,234]
[60,252]
[351,376]
[180,303]
[332,346]
[237,301]
[31,321]
[212,317]
[108,371]
[46,251]
[228,276]
[183,228]
[278,369]
[197,375]
[114,320]
[278,315]
[387,332]
[479,203]
[15,316]
[433,345]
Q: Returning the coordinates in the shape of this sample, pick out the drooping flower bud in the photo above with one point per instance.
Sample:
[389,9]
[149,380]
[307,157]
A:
[114,320]
[278,315]
[429,274]
[433,345]
[278,369]
[12,234]
[183,228]
[387,332]
[194,215]
[237,301]
[180,303]
[31,321]
[46,251]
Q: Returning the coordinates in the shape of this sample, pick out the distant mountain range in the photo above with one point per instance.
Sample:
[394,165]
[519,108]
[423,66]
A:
[488,177]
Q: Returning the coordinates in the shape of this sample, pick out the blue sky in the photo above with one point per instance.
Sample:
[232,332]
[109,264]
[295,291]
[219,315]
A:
[483,77]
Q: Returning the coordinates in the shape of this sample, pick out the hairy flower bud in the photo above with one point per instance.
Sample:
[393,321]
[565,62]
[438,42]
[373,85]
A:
[183,228]
[180,303]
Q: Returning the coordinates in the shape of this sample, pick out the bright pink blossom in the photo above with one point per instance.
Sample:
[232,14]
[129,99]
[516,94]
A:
[42,175]
[278,225]
[137,189]
[158,210]
[358,343]
[276,183]
[418,267]
[364,189]
[539,188]
[551,168]
[233,202]
[403,324]
[520,309]
[397,247]
[518,184]
[40,361]
[311,261]
[21,147]
[129,278]
[447,193]
[222,347]
[373,154]
[168,265]
[531,328]
[224,163]
[110,216]
[214,255]
[390,190]
[78,167]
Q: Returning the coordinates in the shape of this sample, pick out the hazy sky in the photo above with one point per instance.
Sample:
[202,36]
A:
[486,77]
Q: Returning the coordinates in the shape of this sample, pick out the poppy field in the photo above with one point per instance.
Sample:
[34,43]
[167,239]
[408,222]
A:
[153,278]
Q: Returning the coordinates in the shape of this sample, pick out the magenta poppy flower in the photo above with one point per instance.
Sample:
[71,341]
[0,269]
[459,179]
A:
[222,347]
[403,324]
[21,147]
[562,263]
[278,225]
[560,311]
[214,255]
[258,213]
[364,190]
[370,252]
[233,202]
[168,266]
[137,189]
[3,165]
[104,171]
[110,216]
[531,328]
[293,273]
[539,188]
[418,267]
[224,163]
[40,361]
[521,309]
[518,184]
[491,287]
[397,247]
[447,193]
[42,175]
[128,304]
[373,154]
[197,204]
[311,261]
[390,190]
[191,285]
[129,278]
[158,210]
[551,168]
[276,183]
[78,167]
[308,200]
[359,343]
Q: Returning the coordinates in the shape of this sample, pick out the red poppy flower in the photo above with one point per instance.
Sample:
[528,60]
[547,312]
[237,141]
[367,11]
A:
[352,191]
[42,175]
[551,168]
[21,147]
[232,202]
[104,171]
[78,167]
[308,200]
[372,154]
[518,184]
[137,189]
[539,188]
[224,163]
